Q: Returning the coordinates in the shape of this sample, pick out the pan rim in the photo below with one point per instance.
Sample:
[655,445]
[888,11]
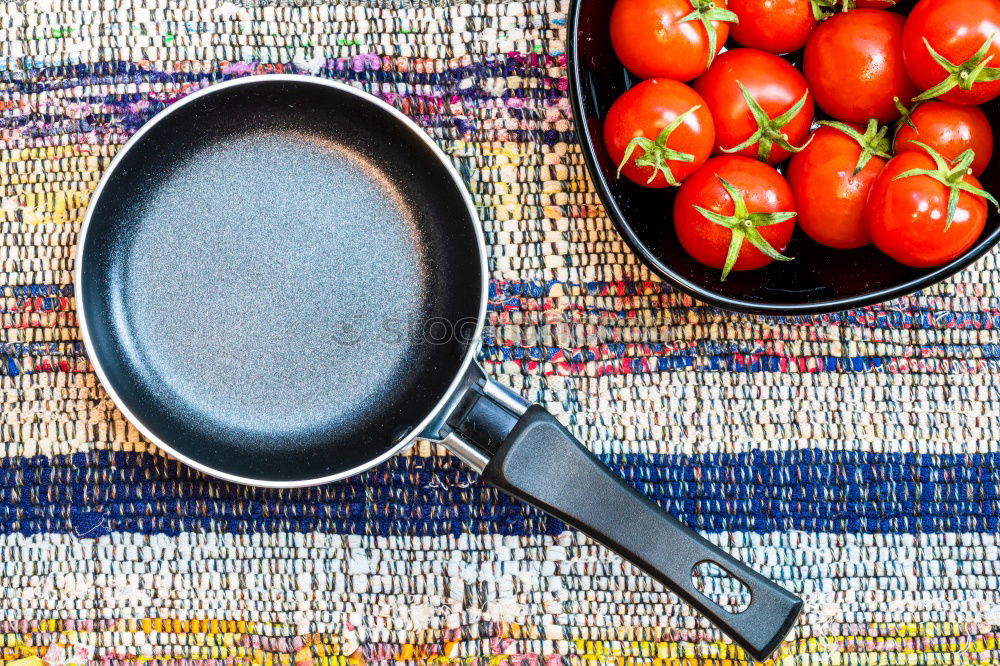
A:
[79,297]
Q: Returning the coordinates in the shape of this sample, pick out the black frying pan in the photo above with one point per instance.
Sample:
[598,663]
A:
[282,282]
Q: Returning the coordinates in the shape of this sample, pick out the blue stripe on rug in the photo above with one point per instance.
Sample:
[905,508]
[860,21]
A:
[905,313]
[507,296]
[130,111]
[838,491]
[38,290]
[636,357]
[41,79]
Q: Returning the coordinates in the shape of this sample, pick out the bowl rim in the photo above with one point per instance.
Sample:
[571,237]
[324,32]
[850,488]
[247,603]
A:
[650,259]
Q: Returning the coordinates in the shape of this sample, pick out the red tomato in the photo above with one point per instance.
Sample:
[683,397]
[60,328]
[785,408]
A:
[830,192]
[775,26]
[959,31]
[661,121]
[950,129]
[776,123]
[650,38]
[735,213]
[908,214]
[854,64]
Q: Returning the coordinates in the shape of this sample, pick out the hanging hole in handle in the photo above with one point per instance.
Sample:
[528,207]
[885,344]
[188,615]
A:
[721,587]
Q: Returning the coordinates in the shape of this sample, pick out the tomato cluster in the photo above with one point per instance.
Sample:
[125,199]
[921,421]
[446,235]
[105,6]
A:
[736,130]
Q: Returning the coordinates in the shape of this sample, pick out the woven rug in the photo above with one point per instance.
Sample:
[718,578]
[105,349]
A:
[852,457]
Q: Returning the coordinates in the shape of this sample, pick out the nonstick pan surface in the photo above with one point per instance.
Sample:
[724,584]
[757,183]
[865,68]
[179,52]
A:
[281,280]
[266,269]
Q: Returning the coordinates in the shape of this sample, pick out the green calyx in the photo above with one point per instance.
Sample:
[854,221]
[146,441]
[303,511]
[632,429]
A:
[824,9]
[769,130]
[707,11]
[951,176]
[656,154]
[743,224]
[904,116]
[964,75]
[874,142]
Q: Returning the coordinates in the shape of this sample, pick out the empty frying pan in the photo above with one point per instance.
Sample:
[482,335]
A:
[282,281]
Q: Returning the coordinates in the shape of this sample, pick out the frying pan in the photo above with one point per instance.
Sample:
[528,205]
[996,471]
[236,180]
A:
[282,282]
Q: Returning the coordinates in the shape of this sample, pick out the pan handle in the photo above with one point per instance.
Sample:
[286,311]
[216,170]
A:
[524,451]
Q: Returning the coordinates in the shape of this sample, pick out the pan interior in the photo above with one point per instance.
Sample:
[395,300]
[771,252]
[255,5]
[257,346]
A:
[280,279]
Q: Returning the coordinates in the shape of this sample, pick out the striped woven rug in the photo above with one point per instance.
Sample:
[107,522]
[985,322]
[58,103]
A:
[852,457]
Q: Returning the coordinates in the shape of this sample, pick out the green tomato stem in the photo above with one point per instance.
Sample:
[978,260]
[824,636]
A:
[963,75]
[707,11]
[874,142]
[656,154]
[951,176]
[769,130]
[744,226]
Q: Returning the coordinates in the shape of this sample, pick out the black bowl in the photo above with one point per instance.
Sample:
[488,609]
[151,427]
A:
[818,280]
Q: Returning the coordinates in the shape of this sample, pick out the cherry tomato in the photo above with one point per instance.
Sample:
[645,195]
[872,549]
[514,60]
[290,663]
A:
[651,40]
[908,214]
[735,213]
[959,31]
[854,64]
[829,189]
[650,127]
[775,26]
[950,129]
[771,119]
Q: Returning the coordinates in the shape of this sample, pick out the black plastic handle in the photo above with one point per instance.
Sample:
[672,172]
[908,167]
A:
[541,463]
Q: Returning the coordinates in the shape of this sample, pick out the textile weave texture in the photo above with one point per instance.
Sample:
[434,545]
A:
[852,457]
